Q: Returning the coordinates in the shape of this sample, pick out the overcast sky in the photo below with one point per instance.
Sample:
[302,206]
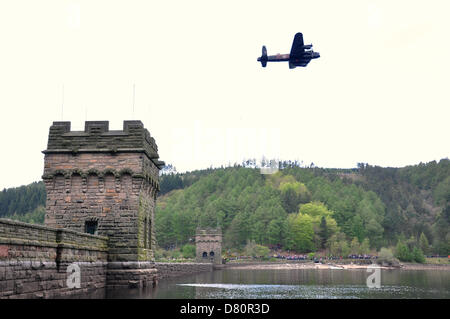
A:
[378,94]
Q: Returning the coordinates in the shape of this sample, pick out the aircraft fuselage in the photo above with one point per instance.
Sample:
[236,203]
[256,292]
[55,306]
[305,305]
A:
[278,58]
[301,54]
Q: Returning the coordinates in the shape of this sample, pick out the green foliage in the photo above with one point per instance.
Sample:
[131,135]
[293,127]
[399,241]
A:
[324,225]
[427,176]
[386,256]
[158,253]
[417,255]
[176,254]
[403,253]
[315,209]
[375,232]
[303,209]
[441,231]
[411,243]
[188,251]
[333,246]
[36,216]
[407,193]
[364,248]
[301,232]
[21,200]
[169,182]
[261,220]
[255,250]
[277,230]
[323,232]
[236,199]
[292,194]
[355,248]
[357,227]
[441,193]
[238,231]
[338,245]
[344,248]
[169,255]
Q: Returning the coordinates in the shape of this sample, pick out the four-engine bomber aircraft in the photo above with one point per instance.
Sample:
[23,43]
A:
[300,54]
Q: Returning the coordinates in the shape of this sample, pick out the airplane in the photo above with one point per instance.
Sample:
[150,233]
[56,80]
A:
[300,55]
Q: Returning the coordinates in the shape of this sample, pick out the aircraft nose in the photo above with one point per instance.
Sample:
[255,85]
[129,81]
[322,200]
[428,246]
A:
[316,55]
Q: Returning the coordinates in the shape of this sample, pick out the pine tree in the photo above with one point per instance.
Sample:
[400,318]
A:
[354,246]
[364,247]
[417,255]
[423,243]
[402,252]
[323,232]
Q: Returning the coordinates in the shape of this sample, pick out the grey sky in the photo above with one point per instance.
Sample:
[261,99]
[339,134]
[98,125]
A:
[378,94]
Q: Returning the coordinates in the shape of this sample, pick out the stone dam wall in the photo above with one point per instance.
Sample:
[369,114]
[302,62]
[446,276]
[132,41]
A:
[34,260]
[104,182]
[101,187]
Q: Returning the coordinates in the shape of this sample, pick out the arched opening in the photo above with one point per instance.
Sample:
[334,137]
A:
[126,183]
[60,183]
[205,254]
[91,226]
[110,183]
[76,183]
[92,183]
[211,254]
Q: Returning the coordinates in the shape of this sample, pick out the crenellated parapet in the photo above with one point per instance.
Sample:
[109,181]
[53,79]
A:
[104,182]
[101,191]
[97,138]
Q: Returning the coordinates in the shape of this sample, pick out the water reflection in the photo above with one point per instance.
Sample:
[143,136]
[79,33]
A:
[297,283]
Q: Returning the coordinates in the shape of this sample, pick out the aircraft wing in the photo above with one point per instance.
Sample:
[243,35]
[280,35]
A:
[297,45]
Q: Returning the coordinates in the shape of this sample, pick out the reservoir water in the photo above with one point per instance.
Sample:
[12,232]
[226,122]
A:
[296,283]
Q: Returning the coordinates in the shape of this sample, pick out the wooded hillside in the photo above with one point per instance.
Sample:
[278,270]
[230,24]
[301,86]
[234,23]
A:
[299,208]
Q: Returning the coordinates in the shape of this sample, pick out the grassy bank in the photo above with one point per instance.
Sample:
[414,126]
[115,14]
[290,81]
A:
[437,261]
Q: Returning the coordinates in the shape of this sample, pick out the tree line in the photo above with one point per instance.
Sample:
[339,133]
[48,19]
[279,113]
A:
[301,208]
[308,208]
[24,203]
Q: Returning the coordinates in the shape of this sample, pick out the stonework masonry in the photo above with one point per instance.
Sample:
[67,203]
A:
[209,245]
[106,179]
[101,191]
[34,260]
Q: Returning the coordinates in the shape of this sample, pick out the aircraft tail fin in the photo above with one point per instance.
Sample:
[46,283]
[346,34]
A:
[263,58]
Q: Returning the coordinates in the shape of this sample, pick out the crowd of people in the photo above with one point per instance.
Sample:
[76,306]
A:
[292,257]
[306,257]
[365,256]
[287,255]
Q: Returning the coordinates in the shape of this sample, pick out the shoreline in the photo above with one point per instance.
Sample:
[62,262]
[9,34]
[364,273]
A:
[410,266]
[311,265]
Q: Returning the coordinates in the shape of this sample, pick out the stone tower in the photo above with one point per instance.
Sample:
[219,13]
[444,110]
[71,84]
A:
[104,182]
[209,245]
